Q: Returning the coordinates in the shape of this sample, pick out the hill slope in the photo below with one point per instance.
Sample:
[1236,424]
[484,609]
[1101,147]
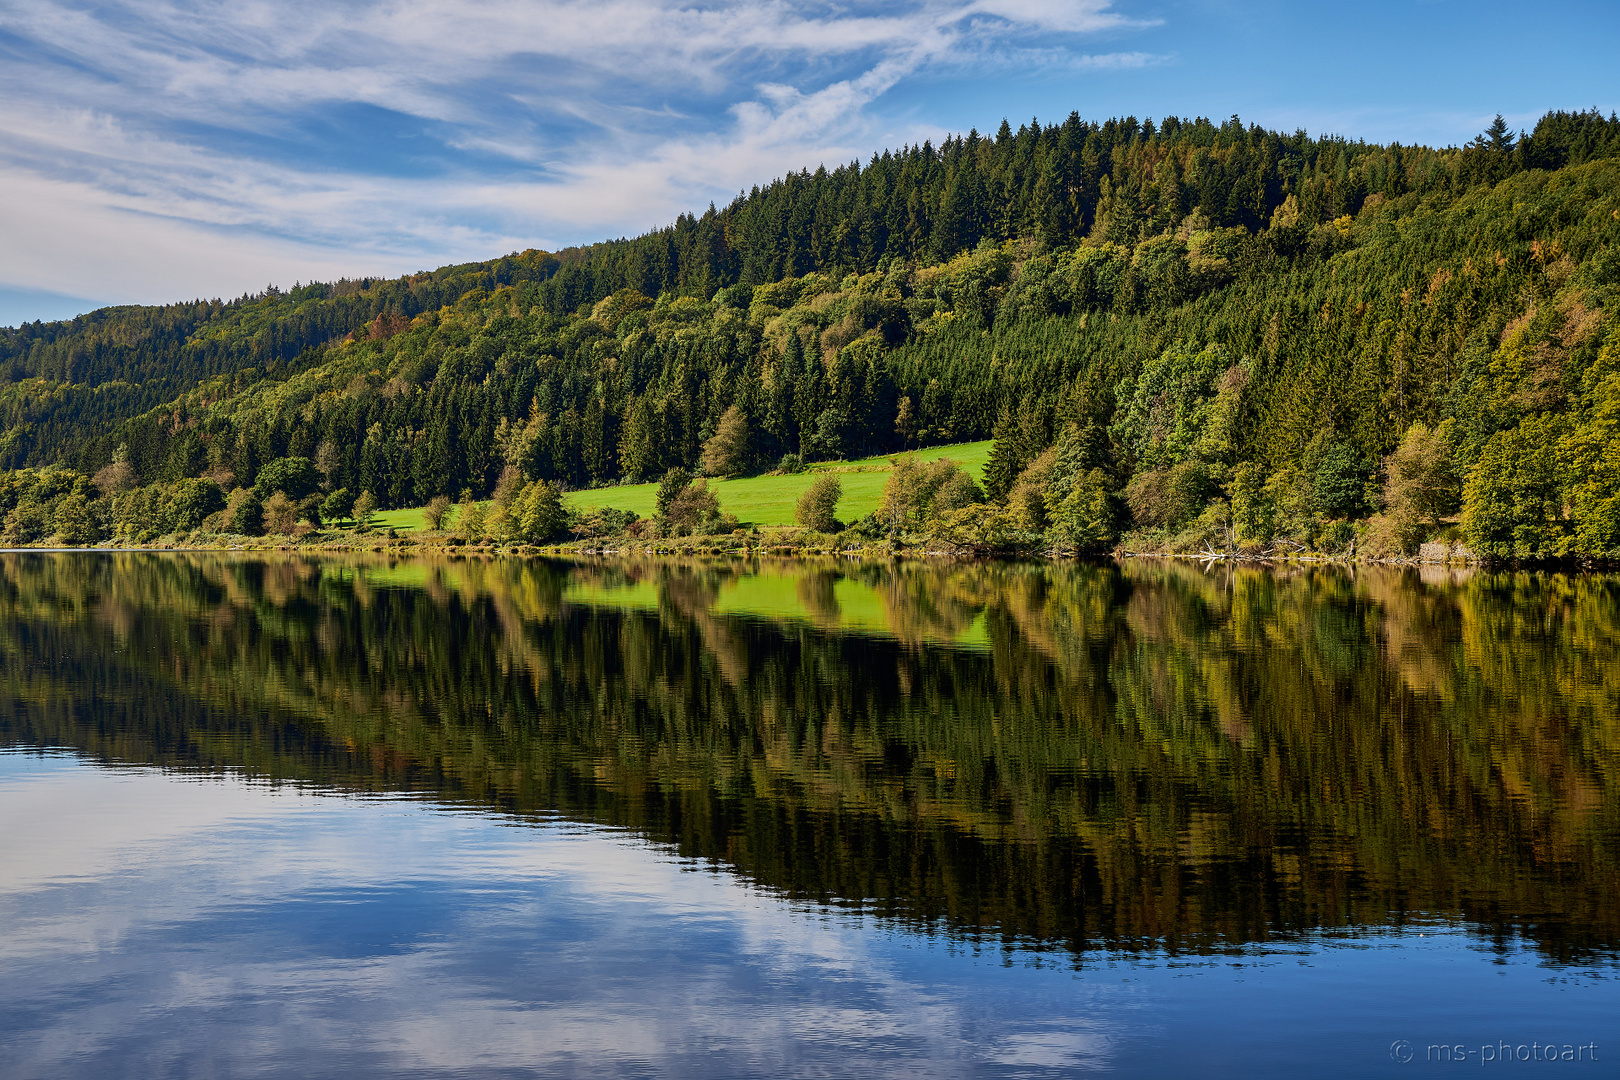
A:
[1207,333]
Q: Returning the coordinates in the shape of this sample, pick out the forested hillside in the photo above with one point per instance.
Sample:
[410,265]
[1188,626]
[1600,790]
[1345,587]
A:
[64,382]
[1207,335]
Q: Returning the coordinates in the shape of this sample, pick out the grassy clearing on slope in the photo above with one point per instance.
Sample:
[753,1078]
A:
[407,520]
[756,500]
[769,500]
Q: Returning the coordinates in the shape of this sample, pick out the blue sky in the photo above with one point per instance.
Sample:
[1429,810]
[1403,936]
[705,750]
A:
[154,150]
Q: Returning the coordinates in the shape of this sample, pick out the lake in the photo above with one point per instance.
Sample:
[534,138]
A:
[277,815]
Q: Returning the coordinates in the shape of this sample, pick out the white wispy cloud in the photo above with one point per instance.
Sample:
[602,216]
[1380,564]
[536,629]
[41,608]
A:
[157,149]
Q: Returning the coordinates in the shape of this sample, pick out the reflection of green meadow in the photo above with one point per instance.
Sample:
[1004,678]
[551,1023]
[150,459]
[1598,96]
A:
[637,596]
[850,606]
[404,576]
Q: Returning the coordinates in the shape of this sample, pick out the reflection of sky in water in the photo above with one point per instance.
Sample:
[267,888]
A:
[165,925]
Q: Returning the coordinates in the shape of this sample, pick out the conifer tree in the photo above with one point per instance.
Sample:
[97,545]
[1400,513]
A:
[1005,456]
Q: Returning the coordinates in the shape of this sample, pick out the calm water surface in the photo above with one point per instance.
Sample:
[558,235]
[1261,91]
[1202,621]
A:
[280,816]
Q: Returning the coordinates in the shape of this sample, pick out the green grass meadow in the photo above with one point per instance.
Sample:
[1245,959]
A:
[756,500]
[769,500]
[407,520]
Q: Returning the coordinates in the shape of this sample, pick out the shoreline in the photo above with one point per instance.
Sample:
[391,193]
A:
[764,546]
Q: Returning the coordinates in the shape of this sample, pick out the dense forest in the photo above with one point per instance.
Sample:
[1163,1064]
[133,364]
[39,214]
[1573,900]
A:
[1196,335]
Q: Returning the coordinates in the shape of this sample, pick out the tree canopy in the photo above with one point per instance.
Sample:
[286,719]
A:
[1210,330]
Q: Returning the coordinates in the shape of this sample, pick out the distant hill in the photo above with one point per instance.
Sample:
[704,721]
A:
[1227,325]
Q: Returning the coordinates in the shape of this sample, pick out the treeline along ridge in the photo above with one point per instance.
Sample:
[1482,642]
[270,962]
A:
[1193,335]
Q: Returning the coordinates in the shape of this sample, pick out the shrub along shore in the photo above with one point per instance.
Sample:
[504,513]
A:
[773,542]
[915,504]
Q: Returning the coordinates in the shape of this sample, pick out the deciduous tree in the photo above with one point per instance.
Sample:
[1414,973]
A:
[280,514]
[434,513]
[727,453]
[817,506]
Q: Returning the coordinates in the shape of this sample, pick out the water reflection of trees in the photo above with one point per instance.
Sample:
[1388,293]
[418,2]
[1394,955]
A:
[1144,754]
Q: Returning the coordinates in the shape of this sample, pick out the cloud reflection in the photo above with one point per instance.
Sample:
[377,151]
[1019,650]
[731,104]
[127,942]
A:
[167,928]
